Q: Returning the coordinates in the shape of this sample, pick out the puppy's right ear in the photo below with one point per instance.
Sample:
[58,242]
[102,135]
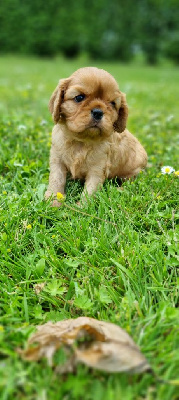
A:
[57,99]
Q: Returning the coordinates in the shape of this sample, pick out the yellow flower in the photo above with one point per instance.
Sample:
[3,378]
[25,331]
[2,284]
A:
[8,250]
[176,173]
[60,196]
[53,236]
[24,94]
[29,226]
[4,192]
[1,328]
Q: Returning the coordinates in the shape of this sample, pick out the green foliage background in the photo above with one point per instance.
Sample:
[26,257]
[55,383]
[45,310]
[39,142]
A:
[105,29]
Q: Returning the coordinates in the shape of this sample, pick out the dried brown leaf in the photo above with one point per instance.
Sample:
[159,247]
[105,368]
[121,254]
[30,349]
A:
[98,344]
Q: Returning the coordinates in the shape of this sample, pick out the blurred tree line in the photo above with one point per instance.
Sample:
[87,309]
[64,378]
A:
[106,29]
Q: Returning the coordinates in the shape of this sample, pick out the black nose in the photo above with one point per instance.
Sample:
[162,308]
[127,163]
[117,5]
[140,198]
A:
[97,114]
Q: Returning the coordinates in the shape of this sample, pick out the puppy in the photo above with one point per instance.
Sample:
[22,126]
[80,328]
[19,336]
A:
[90,139]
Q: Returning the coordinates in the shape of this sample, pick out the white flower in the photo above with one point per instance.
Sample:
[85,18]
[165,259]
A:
[43,122]
[167,170]
[17,164]
[156,123]
[169,118]
[21,127]
[28,86]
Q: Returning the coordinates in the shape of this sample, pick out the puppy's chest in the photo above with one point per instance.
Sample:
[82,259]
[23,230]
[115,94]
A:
[78,158]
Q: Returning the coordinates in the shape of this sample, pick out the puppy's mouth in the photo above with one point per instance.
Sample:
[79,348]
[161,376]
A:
[89,129]
[93,129]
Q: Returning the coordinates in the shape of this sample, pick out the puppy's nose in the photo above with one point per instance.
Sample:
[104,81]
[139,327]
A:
[97,114]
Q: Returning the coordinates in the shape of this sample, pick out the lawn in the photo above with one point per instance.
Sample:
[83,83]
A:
[113,259]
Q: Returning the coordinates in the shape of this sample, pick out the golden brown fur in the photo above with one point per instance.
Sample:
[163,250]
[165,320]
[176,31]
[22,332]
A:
[90,139]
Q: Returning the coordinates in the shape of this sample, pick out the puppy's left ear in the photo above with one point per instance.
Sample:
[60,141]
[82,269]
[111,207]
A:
[120,124]
[57,99]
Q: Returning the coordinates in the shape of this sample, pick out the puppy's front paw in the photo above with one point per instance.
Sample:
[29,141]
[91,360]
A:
[55,203]
[56,200]
[47,194]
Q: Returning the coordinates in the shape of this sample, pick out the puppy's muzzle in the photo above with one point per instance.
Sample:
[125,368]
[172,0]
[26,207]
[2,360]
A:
[97,114]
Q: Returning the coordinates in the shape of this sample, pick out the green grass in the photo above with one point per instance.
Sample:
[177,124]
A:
[114,259]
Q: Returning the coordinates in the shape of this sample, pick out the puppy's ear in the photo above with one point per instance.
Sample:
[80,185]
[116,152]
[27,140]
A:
[57,99]
[120,124]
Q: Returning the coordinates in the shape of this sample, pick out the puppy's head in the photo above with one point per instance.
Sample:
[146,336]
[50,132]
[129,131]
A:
[90,104]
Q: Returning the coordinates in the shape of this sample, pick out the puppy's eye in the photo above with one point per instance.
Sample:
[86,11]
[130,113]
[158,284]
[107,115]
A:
[113,103]
[79,98]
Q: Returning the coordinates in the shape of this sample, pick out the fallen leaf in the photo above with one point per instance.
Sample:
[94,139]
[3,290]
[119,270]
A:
[98,344]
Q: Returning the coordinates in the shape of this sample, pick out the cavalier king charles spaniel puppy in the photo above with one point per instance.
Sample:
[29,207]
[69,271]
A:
[90,139]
